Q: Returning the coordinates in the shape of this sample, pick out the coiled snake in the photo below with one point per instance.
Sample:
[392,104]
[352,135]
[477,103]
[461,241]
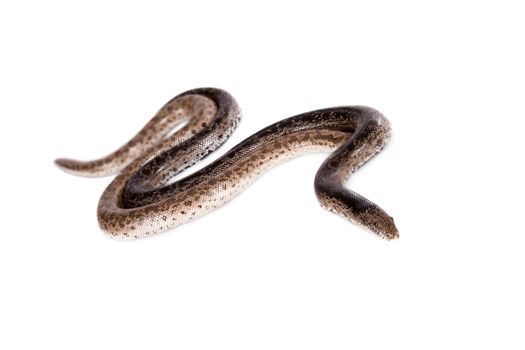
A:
[142,200]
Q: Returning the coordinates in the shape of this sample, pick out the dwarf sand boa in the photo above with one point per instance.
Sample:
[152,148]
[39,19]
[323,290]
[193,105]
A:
[142,200]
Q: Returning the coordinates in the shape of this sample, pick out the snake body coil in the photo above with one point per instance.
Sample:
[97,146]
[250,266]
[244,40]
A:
[142,201]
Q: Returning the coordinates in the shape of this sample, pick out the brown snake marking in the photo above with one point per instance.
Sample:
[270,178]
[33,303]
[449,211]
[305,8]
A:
[142,201]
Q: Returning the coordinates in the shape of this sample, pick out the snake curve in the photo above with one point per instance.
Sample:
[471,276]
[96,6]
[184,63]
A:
[142,200]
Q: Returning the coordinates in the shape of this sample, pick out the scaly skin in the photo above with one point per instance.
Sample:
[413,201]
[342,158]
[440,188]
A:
[141,200]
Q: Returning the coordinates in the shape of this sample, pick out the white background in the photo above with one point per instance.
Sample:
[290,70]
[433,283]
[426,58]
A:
[270,270]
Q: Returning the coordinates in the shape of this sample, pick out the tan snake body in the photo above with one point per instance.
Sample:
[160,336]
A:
[142,201]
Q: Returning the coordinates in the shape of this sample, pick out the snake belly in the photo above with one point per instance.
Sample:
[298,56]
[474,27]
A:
[142,200]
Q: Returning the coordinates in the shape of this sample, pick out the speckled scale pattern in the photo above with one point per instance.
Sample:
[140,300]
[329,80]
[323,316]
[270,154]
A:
[142,201]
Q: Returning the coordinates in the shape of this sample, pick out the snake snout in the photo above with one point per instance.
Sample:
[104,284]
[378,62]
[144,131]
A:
[379,222]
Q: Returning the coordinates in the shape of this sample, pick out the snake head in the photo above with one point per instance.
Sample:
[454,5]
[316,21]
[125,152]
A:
[378,221]
[358,210]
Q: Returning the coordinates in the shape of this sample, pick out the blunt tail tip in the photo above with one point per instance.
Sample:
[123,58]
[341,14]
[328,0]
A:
[63,164]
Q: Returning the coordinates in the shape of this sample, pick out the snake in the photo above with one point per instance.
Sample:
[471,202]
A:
[146,198]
